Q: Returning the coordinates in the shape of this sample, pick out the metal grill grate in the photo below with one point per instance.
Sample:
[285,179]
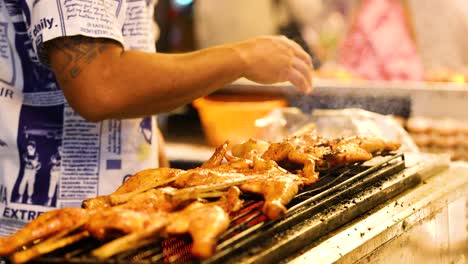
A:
[249,227]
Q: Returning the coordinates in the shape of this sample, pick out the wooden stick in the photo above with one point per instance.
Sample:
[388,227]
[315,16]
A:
[131,241]
[47,247]
[211,194]
[64,232]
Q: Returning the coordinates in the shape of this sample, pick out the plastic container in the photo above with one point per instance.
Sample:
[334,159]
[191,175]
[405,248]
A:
[232,117]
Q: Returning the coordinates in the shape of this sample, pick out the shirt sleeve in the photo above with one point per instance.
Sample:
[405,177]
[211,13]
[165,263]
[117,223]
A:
[93,18]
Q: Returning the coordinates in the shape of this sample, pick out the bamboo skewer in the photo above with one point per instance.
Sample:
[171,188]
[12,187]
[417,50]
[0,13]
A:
[131,241]
[47,247]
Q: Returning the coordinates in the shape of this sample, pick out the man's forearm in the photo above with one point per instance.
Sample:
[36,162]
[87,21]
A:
[162,82]
[101,81]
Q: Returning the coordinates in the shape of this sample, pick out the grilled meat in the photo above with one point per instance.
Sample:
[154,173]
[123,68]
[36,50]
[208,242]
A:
[97,202]
[315,153]
[218,156]
[277,191]
[192,219]
[148,179]
[200,176]
[58,241]
[204,221]
[276,185]
[112,222]
[250,148]
[370,144]
[43,226]
[138,183]
[132,216]
[154,202]
[357,149]
[231,202]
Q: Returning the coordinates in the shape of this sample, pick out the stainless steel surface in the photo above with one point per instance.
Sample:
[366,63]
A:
[388,234]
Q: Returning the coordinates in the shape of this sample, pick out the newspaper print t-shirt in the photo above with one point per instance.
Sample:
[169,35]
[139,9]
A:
[49,155]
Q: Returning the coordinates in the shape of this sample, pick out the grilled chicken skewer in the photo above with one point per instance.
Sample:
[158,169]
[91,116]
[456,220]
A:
[265,178]
[102,223]
[131,241]
[98,221]
[256,167]
[138,183]
[133,216]
[134,219]
[148,179]
[48,246]
[45,225]
[354,149]
[192,219]
[314,153]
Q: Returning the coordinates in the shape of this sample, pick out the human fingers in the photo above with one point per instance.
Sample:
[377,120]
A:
[304,69]
[298,80]
[298,50]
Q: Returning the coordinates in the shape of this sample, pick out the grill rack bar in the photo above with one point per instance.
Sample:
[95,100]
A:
[249,226]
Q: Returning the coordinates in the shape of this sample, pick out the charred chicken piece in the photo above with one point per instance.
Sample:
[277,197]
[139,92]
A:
[43,226]
[287,153]
[315,153]
[306,149]
[148,179]
[197,177]
[276,185]
[250,148]
[218,156]
[133,216]
[154,200]
[231,202]
[346,153]
[370,144]
[115,221]
[277,191]
[357,149]
[204,221]
[138,213]
[138,183]
[97,202]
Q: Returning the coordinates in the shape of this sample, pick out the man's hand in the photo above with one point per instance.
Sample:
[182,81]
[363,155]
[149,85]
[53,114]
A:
[273,59]
[101,80]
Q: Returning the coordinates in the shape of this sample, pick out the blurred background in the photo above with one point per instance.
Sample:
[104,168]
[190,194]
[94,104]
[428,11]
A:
[428,35]
[404,58]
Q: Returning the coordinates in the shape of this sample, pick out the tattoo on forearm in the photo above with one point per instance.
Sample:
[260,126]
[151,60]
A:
[78,52]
